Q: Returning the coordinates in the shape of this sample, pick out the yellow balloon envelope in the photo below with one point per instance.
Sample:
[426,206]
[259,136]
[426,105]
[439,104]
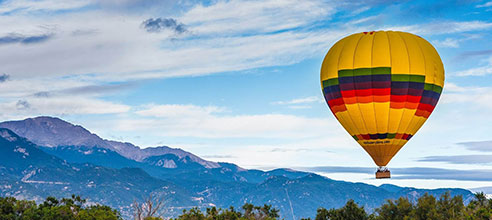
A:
[382,86]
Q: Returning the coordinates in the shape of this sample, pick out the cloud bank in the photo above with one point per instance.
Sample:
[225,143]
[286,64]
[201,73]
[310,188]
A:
[482,146]
[413,172]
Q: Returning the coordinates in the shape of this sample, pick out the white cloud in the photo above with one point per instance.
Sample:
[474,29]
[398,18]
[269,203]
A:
[299,106]
[50,5]
[225,36]
[475,96]
[455,42]
[360,10]
[364,20]
[448,27]
[452,87]
[21,97]
[478,71]
[16,87]
[210,122]
[310,99]
[448,42]
[226,17]
[95,46]
[300,103]
[484,5]
[118,49]
[275,156]
[58,106]
[169,111]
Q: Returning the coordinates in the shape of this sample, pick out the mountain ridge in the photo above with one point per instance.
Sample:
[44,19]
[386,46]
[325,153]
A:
[106,176]
[55,132]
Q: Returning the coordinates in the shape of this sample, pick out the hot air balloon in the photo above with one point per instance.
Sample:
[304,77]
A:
[382,86]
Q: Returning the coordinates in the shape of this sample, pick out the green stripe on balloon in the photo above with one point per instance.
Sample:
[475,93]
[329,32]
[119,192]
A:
[433,87]
[330,82]
[364,71]
[407,78]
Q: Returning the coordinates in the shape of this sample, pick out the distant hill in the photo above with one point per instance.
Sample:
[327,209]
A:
[48,156]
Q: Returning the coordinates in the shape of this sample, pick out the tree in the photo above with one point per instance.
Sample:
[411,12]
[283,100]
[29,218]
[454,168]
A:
[151,208]
[350,211]
[11,208]
[98,212]
[479,208]
[251,212]
[322,214]
[229,214]
[193,214]
[450,208]
[52,208]
[395,209]
[426,208]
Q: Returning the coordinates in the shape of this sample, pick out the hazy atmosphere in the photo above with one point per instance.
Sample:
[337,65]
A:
[238,81]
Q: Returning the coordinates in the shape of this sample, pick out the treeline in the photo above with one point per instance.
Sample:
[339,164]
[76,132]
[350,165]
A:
[74,208]
[427,207]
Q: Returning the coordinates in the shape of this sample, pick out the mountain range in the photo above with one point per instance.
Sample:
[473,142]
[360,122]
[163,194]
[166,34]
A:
[47,156]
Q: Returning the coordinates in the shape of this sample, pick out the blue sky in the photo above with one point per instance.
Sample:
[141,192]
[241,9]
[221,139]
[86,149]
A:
[238,81]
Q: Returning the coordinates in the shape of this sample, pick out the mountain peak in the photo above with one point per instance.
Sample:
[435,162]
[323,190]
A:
[54,132]
[48,122]
[46,118]
[51,132]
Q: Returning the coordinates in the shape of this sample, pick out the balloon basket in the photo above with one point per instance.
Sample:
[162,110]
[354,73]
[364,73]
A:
[383,173]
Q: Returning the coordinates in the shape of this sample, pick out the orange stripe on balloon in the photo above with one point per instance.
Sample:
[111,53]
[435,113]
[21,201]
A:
[364,99]
[422,113]
[385,98]
[350,100]
[410,105]
[397,105]
[338,108]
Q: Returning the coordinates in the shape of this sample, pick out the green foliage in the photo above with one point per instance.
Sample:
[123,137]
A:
[53,209]
[398,209]
[251,212]
[479,208]
[450,208]
[152,218]
[350,211]
[427,207]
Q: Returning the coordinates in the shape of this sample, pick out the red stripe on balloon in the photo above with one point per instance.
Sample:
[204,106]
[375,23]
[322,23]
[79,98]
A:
[335,102]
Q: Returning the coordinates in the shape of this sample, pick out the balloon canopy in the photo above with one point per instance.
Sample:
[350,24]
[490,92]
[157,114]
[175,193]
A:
[382,86]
